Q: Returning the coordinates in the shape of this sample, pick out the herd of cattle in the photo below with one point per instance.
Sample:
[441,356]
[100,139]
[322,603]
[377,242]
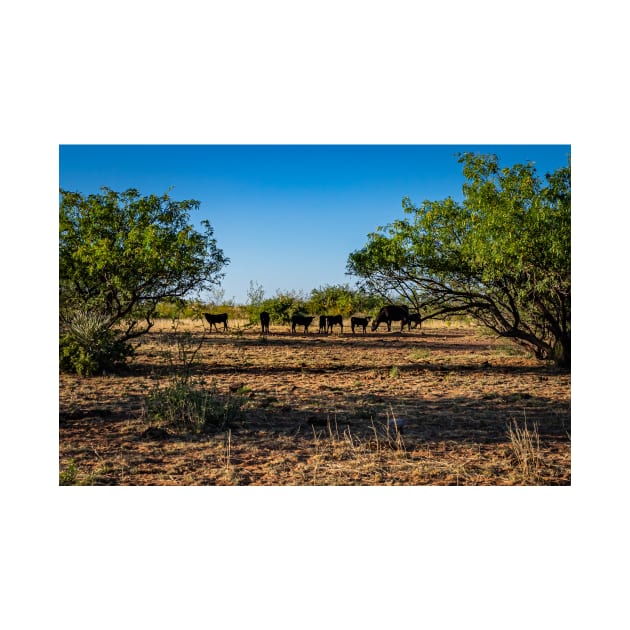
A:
[387,315]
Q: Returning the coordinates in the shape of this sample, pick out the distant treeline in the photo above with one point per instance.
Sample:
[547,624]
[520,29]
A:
[326,300]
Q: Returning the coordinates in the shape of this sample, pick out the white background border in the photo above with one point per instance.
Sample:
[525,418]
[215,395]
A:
[331,72]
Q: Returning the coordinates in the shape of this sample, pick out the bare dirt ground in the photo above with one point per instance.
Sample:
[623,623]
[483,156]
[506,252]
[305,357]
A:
[317,410]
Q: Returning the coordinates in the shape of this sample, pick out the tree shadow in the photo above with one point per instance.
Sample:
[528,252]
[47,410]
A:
[216,368]
[462,419]
[478,418]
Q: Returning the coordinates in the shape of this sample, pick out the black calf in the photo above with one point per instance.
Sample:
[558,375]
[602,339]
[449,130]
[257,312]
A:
[264,322]
[415,319]
[213,320]
[301,320]
[334,320]
[322,324]
[359,322]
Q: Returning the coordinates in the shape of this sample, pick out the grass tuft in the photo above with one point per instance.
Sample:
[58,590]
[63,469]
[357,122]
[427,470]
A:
[525,445]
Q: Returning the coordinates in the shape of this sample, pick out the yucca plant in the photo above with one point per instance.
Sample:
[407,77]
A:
[88,345]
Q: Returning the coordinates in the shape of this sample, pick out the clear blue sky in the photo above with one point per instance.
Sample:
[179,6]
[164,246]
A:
[287,216]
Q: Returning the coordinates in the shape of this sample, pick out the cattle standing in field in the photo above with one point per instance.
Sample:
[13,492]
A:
[359,322]
[392,313]
[334,320]
[221,318]
[301,320]
[415,319]
[264,322]
[322,324]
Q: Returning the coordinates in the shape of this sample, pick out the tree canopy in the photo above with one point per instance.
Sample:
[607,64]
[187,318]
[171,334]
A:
[502,255]
[121,253]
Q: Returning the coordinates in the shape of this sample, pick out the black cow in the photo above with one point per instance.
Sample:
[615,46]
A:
[322,324]
[359,321]
[334,320]
[301,320]
[415,319]
[392,313]
[264,322]
[221,318]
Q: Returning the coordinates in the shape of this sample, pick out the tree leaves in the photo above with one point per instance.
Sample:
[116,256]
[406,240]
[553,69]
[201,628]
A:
[121,253]
[502,254]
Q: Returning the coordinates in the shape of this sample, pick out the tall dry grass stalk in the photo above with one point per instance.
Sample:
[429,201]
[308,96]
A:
[525,444]
[228,450]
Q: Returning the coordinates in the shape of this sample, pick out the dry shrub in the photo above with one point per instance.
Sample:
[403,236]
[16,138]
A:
[188,406]
[525,445]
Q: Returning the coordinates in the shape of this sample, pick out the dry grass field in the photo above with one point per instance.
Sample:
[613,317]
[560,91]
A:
[324,410]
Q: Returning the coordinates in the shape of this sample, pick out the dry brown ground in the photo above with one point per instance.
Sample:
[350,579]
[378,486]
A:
[316,409]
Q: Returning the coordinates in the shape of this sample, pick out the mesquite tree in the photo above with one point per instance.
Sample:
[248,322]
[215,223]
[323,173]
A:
[120,254]
[502,255]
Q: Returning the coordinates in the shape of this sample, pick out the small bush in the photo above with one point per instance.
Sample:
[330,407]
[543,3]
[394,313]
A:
[419,355]
[74,358]
[104,353]
[189,406]
[89,346]
[68,476]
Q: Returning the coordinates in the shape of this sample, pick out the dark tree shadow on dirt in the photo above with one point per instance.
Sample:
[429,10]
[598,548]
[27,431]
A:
[471,419]
[413,367]
[459,419]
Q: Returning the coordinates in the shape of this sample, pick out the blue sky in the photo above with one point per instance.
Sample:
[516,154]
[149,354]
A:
[287,216]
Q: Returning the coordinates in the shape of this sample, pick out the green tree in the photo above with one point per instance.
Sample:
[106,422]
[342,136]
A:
[341,299]
[502,255]
[332,300]
[283,306]
[120,254]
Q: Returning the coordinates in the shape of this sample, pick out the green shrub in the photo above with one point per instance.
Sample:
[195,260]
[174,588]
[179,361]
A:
[107,357]
[88,347]
[340,299]
[174,309]
[280,308]
[68,476]
[189,406]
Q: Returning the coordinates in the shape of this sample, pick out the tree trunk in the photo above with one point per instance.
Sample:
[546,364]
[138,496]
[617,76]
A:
[562,352]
